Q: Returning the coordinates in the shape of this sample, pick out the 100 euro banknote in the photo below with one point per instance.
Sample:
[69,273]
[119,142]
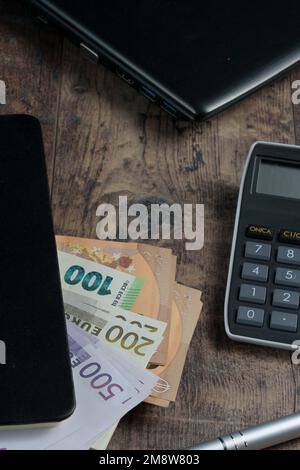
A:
[98,281]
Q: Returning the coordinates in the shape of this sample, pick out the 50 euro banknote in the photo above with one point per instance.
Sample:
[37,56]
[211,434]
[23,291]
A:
[151,264]
[137,336]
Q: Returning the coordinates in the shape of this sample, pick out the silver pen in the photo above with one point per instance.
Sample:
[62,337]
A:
[258,437]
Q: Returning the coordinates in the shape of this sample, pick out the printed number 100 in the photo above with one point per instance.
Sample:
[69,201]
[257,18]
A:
[90,282]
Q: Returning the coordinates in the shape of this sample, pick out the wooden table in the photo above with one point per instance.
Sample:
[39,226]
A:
[103,139]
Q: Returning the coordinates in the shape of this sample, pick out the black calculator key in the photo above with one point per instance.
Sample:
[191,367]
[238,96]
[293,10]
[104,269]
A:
[260,232]
[288,255]
[255,272]
[253,294]
[284,322]
[290,237]
[259,251]
[287,277]
[250,316]
[286,299]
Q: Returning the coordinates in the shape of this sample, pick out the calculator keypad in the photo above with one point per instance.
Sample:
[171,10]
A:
[290,237]
[258,251]
[260,232]
[268,295]
[288,255]
[286,299]
[254,294]
[282,321]
[287,277]
[255,272]
[250,316]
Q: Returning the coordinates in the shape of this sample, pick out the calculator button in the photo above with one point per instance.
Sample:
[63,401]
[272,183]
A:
[288,255]
[255,272]
[259,251]
[287,277]
[284,322]
[250,316]
[254,294]
[260,232]
[286,299]
[289,236]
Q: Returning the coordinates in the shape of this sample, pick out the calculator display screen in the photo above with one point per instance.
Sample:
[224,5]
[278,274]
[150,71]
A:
[278,179]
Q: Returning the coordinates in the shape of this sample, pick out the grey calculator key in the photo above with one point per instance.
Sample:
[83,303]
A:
[253,294]
[286,299]
[250,316]
[259,251]
[255,272]
[284,322]
[288,255]
[287,277]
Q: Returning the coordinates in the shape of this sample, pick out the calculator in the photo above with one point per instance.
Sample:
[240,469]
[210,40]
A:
[262,304]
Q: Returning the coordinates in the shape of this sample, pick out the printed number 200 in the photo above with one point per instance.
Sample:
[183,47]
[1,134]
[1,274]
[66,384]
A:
[128,341]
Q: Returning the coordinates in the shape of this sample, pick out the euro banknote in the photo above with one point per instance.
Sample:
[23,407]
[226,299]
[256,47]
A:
[135,335]
[153,265]
[97,281]
[186,310]
[104,393]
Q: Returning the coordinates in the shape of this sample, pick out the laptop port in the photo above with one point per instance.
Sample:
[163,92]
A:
[125,77]
[148,93]
[169,108]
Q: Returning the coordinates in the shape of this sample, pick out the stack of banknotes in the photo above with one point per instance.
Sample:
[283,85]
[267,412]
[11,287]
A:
[129,330]
[126,296]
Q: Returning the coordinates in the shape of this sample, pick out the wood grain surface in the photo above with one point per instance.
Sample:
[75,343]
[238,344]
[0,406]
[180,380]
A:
[102,139]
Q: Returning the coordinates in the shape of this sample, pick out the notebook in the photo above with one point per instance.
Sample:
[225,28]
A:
[36,385]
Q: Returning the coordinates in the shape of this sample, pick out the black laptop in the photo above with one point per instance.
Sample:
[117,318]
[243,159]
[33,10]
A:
[193,58]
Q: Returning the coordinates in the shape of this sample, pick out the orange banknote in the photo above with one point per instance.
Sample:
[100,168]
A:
[186,310]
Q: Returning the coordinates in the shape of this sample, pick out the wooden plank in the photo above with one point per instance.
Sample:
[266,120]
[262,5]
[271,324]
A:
[30,66]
